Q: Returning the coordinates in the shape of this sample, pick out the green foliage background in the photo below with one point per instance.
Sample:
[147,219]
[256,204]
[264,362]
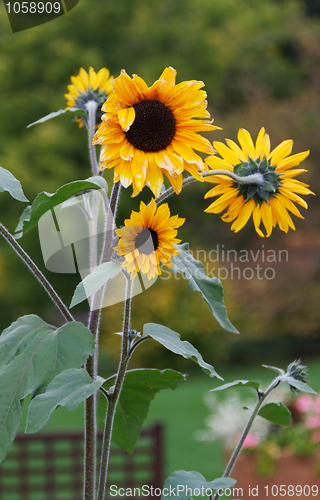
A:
[260,63]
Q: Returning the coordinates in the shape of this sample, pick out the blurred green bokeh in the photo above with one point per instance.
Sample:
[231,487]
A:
[260,64]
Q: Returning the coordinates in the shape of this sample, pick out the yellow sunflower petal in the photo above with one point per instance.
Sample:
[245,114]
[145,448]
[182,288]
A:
[235,148]
[126,118]
[292,161]
[280,152]
[256,216]
[227,154]
[243,217]
[246,143]
[266,216]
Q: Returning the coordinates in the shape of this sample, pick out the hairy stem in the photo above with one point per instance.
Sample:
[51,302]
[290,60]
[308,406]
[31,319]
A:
[235,454]
[90,451]
[37,273]
[91,107]
[114,397]
[254,178]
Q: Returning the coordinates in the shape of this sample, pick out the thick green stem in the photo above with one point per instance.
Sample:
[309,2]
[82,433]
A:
[114,397]
[91,123]
[90,441]
[235,454]
[37,273]
[90,451]
[256,178]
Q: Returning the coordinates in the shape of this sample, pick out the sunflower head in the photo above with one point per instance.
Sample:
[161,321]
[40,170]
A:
[150,131]
[147,238]
[87,87]
[266,187]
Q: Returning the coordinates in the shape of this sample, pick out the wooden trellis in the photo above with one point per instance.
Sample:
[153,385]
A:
[50,466]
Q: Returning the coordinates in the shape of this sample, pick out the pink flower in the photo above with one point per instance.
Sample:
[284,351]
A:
[315,436]
[304,403]
[312,421]
[317,404]
[251,440]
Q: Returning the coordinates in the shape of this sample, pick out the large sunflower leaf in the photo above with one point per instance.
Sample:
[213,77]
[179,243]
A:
[184,485]
[210,289]
[69,389]
[9,183]
[171,340]
[94,281]
[46,201]
[32,354]
[139,388]
[54,114]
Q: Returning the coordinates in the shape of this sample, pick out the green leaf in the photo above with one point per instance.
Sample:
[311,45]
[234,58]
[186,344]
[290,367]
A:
[139,388]
[171,340]
[238,383]
[67,389]
[210,289]
[301,386]
[33,353]
[94,281]
[9,183]
[58,113]
[276,413]
[185,484]
[46,201]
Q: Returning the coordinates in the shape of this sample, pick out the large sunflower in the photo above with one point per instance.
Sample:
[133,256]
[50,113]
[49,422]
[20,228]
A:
[270,196]
[148,131]
[87,87]
[147,238]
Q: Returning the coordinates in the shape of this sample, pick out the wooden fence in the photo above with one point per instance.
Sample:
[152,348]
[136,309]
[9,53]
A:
[50,467]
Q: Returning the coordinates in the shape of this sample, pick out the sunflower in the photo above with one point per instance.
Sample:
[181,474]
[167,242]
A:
[272,191]
[87,87]
[147,238]
[150,131]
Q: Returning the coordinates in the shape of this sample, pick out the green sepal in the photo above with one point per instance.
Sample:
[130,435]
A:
[264,165]
[268,187]
[253,166]
[251,191]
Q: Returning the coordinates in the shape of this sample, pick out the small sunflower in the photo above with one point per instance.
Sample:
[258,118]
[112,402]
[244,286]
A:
[271,196]
[147,238]
[150,131]
[87,87]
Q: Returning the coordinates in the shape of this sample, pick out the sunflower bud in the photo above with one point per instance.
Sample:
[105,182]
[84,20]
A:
[298,372]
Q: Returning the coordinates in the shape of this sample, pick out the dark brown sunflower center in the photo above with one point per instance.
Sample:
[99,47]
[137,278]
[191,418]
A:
[147,241]
[153,128]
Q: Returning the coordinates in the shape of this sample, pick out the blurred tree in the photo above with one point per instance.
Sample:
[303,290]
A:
[260,63]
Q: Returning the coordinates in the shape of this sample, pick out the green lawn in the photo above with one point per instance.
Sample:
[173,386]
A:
[183,412]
